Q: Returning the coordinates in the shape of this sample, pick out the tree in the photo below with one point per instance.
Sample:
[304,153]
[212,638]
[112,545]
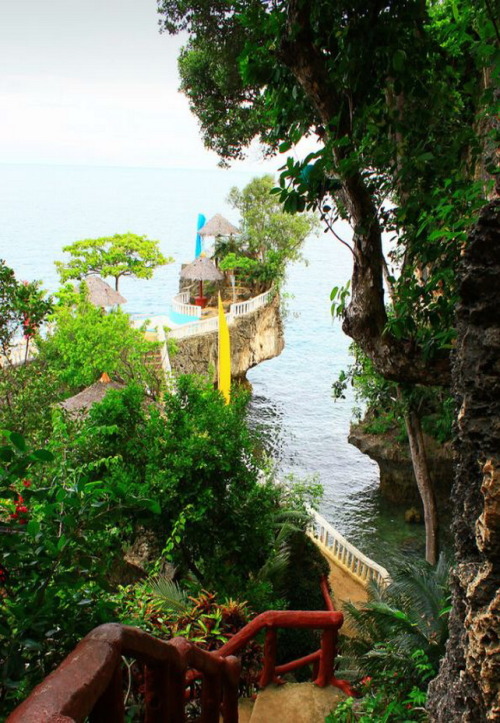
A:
[398,96]
[23,308]
[119,255]
[85,342]
[269,236]
[265,227]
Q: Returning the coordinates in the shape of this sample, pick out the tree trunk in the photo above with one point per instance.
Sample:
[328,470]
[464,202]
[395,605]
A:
[468,685]
[424,484]
[365,318]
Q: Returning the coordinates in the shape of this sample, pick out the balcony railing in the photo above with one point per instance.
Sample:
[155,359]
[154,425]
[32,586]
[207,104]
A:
[205,326]
[246,307]
[181,305]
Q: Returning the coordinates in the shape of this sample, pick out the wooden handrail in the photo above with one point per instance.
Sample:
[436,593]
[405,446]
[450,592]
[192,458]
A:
[88,681]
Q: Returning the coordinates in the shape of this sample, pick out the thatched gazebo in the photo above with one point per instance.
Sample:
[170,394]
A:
[218,226]
[101,293]
[80,404]
[201,269]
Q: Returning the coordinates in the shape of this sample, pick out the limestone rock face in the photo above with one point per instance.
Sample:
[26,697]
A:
[255,337]
[397,479]
[468,686]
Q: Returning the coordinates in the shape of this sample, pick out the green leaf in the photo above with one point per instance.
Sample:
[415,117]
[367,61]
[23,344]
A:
[6,454]
[18,441]
[33,528]
[43,455]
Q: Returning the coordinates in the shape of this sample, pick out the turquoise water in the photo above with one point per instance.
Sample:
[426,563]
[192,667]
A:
[45,207]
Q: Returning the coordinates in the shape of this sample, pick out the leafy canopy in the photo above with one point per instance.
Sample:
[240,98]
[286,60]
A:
[270,238]
[119,255]
[398,96]
[86,342]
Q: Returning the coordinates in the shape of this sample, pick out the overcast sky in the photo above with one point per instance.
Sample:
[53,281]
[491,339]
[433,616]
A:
[93,82]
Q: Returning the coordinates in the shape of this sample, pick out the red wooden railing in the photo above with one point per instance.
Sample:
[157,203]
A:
[89,680]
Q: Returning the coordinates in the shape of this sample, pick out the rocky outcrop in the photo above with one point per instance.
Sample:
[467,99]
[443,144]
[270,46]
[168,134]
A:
[397,479]
[255,337]
[468,685]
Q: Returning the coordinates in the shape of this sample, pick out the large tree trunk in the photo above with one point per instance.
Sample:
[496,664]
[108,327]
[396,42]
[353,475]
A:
[424,484]
[365,318]
[468,685]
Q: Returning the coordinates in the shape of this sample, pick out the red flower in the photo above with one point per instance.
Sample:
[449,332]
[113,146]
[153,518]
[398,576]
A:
[22,509]
[26,483]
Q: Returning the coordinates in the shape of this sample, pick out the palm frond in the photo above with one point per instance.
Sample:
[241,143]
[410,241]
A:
[397,620]
[167,594]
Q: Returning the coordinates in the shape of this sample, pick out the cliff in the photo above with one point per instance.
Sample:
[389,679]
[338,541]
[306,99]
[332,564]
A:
[467,688]
[397,480]
[255,337]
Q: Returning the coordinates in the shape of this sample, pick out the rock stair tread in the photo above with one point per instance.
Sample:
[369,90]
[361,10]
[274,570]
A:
[291,703]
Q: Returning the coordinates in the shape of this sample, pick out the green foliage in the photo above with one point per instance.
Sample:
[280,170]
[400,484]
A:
[28,393]
[410,614]
[384,404]
[119,255]
[62,531]
[86,342]
[162,608]
[400,100]
[339,297]
[212,479]
[270,238]
[387,698]
[301,591]
[399,639]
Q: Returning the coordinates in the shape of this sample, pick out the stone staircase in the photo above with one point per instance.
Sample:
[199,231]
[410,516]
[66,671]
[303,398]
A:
[290,703]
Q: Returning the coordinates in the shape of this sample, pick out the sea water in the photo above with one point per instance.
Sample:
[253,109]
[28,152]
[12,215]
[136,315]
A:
[43,208]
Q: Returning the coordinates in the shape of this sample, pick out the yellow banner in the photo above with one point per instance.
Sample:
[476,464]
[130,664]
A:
[224,372]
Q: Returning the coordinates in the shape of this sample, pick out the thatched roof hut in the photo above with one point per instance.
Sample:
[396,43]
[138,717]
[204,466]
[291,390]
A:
[202,269]
[101,293]
[80,404]
[218,226]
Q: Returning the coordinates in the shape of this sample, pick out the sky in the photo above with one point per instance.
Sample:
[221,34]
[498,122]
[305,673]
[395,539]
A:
[93,82]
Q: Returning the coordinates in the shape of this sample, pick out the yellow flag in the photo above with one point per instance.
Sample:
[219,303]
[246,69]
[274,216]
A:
[224,375]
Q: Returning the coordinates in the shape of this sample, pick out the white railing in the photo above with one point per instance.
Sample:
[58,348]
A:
[197,327]
[181,305]
[345,555]
[204,326]
[246,307]
[165,359]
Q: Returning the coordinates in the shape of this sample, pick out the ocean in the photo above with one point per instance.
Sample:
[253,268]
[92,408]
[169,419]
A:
[43,208]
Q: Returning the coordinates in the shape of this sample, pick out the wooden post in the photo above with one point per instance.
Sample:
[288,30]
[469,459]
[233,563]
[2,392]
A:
[267,674]
[327,657]
[230,684]
[110,705]
[211,697]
